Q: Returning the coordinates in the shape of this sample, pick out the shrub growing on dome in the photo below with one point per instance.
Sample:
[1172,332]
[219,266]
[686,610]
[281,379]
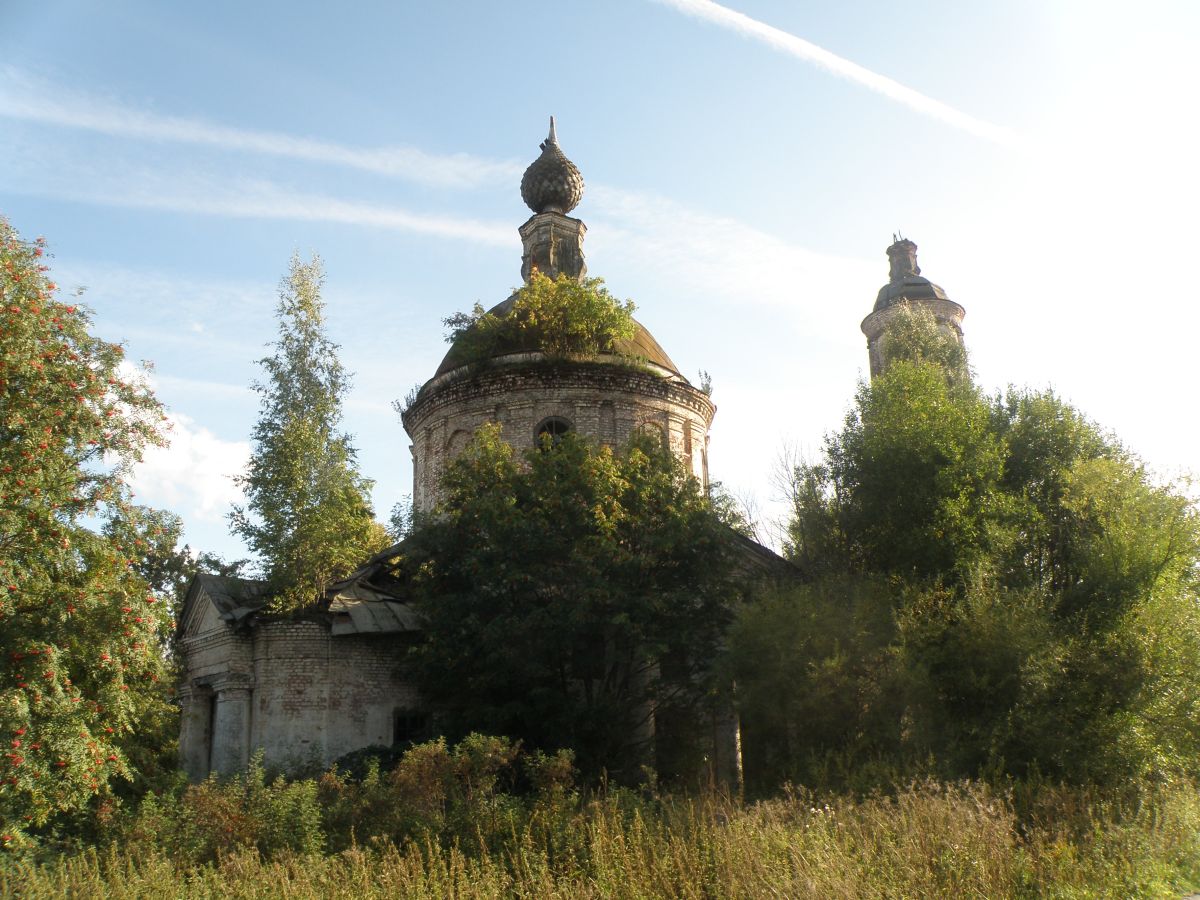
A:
[561,317]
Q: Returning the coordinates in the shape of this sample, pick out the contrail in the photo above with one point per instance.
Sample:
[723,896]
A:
[257,199]
[844,68]
[27,100]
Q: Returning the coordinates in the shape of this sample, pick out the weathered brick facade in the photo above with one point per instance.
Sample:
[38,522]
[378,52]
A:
[290,687]
[606,401]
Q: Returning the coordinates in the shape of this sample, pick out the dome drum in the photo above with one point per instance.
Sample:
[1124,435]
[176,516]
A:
[946,313]
[603,401]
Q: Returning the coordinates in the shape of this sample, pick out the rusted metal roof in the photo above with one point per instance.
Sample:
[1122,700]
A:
[371,615]
[357,605]
[371,600]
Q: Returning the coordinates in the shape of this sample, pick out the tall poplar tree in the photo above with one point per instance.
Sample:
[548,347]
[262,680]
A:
[308,514]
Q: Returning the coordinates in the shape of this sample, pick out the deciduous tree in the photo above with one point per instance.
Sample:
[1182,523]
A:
[79,626]
[908,486]
[568,593]
[1032,563]
[308,514]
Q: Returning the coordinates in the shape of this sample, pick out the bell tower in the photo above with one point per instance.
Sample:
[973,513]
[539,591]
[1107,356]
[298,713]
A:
[907,288]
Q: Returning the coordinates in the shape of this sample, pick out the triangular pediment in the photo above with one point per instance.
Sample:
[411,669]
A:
[215,602]
[206,618]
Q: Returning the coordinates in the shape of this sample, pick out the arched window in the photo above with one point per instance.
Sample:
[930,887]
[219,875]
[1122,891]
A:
[655,431]
[457,443]
[553,430]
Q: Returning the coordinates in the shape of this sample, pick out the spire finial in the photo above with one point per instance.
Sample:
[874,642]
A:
[552,183]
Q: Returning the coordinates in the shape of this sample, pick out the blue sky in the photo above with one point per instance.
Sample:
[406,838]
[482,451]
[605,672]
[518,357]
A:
[746,166]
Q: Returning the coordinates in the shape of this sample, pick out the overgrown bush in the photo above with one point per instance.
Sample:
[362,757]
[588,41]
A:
[562,317]
[469,795]
[207,821]
[437,793]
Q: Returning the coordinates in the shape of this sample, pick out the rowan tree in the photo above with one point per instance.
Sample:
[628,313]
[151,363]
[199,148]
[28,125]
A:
[79,626]
[308,514]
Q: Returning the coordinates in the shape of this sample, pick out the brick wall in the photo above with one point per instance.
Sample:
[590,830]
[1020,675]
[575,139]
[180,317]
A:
[602,401]
[290,688]
[318,697]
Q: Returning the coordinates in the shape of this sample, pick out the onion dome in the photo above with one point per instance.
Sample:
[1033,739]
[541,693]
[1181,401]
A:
[906,281]
[552,182]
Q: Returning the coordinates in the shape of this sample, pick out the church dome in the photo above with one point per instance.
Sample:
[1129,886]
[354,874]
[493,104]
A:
[631,388]
[641,346]
[553,245]
[552,183]
[906,281]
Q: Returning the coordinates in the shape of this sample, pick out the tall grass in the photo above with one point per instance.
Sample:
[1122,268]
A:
[928,840]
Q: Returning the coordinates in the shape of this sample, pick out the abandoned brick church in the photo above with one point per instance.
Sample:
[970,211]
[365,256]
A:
[312,687]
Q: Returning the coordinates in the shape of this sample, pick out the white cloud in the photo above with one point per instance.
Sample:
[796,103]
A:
[809,52]
[210,389]
[651,226]
[193,193]
[30,100]
[724,257]
[192,476]
[153,302]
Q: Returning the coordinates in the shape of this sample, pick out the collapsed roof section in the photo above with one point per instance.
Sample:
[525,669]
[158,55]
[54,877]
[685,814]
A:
[369,601]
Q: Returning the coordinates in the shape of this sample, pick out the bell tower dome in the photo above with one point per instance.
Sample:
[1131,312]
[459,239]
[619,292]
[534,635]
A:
[906,287]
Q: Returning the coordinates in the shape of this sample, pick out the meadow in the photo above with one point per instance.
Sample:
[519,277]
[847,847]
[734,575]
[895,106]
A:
[442,829]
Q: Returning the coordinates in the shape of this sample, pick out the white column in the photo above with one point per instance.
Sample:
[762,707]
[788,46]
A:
[195,732]
[231,728]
